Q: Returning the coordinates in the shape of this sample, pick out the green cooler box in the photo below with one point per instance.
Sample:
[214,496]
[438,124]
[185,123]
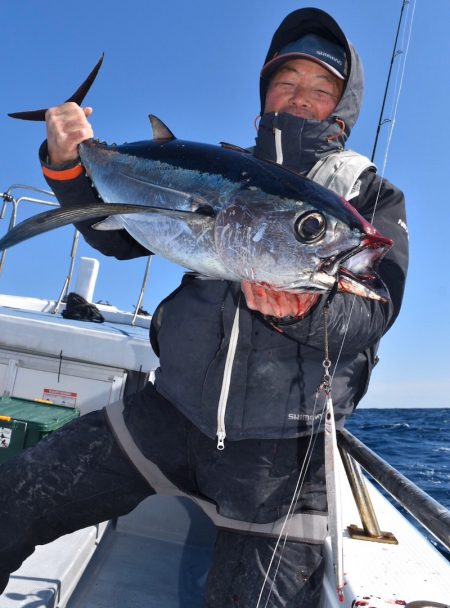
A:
[23,423]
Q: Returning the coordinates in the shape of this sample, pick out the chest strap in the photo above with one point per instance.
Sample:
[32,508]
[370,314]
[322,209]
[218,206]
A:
[341,171]
[301,527]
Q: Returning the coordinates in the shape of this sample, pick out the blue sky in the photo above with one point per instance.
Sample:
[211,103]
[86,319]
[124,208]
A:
[196,65]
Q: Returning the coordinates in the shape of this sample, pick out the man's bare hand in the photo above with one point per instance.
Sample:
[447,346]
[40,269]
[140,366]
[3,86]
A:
[277,304]
[67,126]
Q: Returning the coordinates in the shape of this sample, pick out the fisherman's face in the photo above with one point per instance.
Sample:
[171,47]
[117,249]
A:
[303,88]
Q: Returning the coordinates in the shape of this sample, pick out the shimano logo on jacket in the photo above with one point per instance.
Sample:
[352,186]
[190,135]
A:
[305,417]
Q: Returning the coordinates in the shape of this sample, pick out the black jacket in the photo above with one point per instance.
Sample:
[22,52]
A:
[277,368]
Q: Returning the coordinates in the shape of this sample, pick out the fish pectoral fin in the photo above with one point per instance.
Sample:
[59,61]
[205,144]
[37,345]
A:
[77,97]
[160,130]
[49,220]
[112,222]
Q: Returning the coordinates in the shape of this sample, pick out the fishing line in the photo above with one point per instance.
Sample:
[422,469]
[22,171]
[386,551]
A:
[306,461]
[392,122]
[292,506]
[295,497]
[314,432]
[399,85]
[324,387]
[297,493]
[388,80]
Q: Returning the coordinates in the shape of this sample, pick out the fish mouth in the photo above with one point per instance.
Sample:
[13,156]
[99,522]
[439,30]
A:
[355,269]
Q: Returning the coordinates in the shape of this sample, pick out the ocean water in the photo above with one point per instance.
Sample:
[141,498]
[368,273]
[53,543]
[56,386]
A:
[414,441]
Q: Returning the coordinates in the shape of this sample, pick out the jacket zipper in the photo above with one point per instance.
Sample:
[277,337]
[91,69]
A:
[223,399]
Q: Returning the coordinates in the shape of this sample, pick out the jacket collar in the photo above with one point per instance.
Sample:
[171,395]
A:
[297,143]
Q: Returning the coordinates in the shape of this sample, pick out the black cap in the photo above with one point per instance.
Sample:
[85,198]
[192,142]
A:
[297,24]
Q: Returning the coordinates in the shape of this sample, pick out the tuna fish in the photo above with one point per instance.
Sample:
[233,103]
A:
[223,213]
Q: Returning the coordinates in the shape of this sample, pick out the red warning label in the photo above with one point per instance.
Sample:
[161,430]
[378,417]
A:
[60,397]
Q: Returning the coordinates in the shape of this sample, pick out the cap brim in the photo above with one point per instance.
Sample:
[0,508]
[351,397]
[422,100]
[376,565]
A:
[275,63]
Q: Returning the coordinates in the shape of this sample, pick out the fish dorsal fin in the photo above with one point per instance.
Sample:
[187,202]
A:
[77,97]
[160,130]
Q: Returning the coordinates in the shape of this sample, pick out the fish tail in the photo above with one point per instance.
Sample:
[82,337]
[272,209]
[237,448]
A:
[77,97]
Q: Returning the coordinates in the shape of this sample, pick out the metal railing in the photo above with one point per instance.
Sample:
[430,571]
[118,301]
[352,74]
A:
[428,512]
[10,199]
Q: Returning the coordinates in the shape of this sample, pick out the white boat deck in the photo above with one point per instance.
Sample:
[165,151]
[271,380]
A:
[157,556]
[384,574]
[48,577]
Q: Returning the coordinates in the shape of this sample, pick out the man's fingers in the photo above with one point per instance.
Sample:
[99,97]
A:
[247,289]
[264,300]
[277,304]
[67,126]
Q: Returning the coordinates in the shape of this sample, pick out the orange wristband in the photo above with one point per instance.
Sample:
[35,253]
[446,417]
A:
[64,174]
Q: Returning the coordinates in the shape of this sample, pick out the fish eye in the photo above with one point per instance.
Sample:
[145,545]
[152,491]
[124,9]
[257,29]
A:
[310,227]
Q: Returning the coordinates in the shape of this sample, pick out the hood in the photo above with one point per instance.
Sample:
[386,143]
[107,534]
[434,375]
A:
[316,21]
[318,138]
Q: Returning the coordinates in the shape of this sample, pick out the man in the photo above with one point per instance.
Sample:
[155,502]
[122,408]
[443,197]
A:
[248,463]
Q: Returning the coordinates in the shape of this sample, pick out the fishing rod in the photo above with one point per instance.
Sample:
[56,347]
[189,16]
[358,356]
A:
[395,54]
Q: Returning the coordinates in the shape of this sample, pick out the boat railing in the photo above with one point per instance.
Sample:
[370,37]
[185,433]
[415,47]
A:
[424,509]
[10,198]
